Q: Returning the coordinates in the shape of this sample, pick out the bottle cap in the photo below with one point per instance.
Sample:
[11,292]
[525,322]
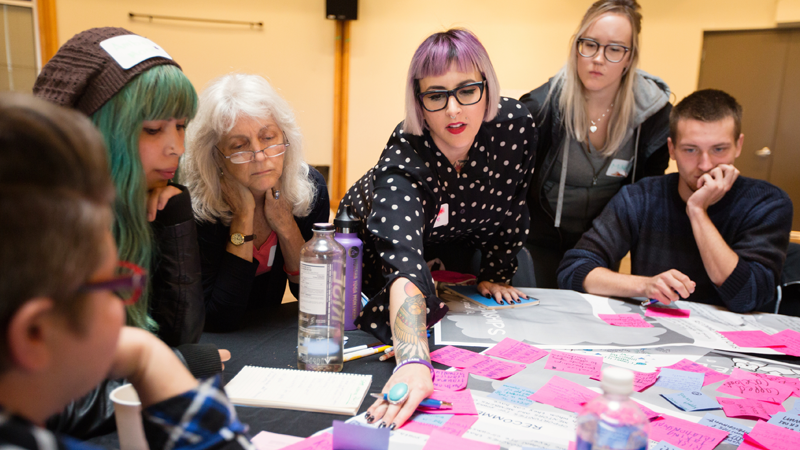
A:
[322,227]
[616,380]
[345,223]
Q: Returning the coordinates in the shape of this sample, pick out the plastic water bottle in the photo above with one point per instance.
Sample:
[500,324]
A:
[613,421]
[320,331]
[346,234]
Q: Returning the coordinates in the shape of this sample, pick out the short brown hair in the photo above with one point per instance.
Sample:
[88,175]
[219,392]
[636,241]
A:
[707,105]
[55,197]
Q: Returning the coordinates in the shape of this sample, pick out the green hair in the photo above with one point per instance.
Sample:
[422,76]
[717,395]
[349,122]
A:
[161,93]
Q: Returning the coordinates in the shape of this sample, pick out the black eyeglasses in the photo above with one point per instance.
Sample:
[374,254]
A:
[127,284]
[272,151]
[468,94]
[613,52]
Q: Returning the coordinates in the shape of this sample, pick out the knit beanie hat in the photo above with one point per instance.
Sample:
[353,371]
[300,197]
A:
[92,67]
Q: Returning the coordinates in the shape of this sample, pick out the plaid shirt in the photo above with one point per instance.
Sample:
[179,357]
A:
[200,419]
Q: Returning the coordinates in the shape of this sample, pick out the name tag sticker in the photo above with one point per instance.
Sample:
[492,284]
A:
[129,50]
[618,168]
[443,218]
[272,255]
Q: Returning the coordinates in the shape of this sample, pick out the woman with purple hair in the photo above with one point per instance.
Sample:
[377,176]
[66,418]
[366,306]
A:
[454,172]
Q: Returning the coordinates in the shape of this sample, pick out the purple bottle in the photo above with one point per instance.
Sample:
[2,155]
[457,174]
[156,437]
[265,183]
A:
[347,236]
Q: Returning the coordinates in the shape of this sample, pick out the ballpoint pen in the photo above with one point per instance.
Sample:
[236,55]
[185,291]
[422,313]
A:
[427,403]
[649,302]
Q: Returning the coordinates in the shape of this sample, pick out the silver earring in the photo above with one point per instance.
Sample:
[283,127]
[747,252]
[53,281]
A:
[276,194]
[221,173]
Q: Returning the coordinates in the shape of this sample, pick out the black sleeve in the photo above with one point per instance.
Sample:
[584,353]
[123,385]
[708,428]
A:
[542,118]
[176,303]
[89,416]
[657,163]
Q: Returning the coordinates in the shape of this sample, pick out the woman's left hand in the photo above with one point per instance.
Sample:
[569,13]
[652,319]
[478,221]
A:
[157,200]
[278,212]
[501,292]
[420,387]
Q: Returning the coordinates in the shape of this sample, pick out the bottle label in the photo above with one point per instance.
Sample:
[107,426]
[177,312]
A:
[314,287]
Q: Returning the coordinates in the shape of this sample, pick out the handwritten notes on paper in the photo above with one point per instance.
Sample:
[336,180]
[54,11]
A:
[711,375]
[427,423]
[461,400]
[791,341]
[735,429]
[516,351]
[743,407]
[774,437]
[752,338]
[563,394]
[684,434]
[692,401]
[494,369]
[440,439]
[641,380]
[574,363]
[512,393]
[456,357]
[786,420]
[674,313]
[747,385]
[455,380]
[680,380]
[625,320]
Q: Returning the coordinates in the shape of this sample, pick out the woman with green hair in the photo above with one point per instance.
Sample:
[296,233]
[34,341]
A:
[141,101]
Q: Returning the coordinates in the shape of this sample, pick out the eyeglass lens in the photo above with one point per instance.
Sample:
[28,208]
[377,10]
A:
[128,292]
[465,95]
[613,53]
[249,155]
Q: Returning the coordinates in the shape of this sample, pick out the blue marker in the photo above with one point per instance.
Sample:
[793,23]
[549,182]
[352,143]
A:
[649,302]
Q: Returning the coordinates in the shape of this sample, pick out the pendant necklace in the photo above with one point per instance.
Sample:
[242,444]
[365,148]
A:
[593,128]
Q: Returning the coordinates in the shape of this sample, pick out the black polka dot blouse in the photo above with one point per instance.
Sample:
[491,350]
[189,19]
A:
[399,202]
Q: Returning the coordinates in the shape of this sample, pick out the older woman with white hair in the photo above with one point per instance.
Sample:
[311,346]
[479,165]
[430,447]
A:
[254,197]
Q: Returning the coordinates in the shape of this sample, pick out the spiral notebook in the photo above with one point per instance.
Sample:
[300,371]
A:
[305,390]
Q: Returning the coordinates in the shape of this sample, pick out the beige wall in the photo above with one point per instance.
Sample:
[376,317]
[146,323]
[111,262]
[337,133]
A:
[527,40]
[294,50]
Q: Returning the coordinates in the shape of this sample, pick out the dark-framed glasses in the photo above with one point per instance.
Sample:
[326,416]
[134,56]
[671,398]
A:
[128,282]
[468,94]
[614,53]
[272,151]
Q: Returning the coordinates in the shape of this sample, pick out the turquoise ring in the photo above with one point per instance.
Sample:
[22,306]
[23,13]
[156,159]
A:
[398,394]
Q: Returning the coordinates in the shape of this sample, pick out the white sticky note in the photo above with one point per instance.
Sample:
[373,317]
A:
[443,218]
[618,168]
[129,50]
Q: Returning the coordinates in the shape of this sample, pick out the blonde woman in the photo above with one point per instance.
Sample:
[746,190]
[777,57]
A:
[602,124]
[254,197]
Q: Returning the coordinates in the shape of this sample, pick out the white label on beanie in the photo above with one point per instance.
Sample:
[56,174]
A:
[129,50]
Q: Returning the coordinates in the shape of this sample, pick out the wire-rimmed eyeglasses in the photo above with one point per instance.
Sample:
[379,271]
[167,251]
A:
[250,155]
[614,53]
[127,284]
[468,94]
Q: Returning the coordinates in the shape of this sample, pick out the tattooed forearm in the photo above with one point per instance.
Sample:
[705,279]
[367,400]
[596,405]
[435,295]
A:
[408,328]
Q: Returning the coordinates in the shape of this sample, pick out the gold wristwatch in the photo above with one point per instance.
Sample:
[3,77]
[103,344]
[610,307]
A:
[238,239]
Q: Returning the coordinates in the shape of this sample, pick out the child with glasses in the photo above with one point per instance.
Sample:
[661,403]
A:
[455,172]
[254,197]
[60,306]
[602,124]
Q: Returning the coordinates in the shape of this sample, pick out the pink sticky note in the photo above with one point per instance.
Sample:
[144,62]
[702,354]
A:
[322,441]
[641,380]
[456,357]
[791,340]
[458,425]
[783,380]
[454,380]
[419,427]
[574,363]
[712,376]
[747,385]
[494,369]
[563,394]
[461,400]
[440,439]
[516,351]
[752,338]
[654,311]
[743,407]
[684,434]
[648,412]
[625,320]
[273,441]
[774,437]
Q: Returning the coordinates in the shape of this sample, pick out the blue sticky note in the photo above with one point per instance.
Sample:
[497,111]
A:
[351,436]
[512,393]
[436,420]
[680,380]
[735,429]
[664,445]
[692,401]
[786,420]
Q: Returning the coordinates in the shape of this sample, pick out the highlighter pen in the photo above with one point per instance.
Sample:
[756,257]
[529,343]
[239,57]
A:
[427,403]
[649,302]
[363,353]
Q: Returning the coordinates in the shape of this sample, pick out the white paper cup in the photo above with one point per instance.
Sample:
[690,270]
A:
[128,414]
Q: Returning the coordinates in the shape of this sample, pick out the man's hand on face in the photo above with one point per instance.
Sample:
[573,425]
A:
[712,186]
